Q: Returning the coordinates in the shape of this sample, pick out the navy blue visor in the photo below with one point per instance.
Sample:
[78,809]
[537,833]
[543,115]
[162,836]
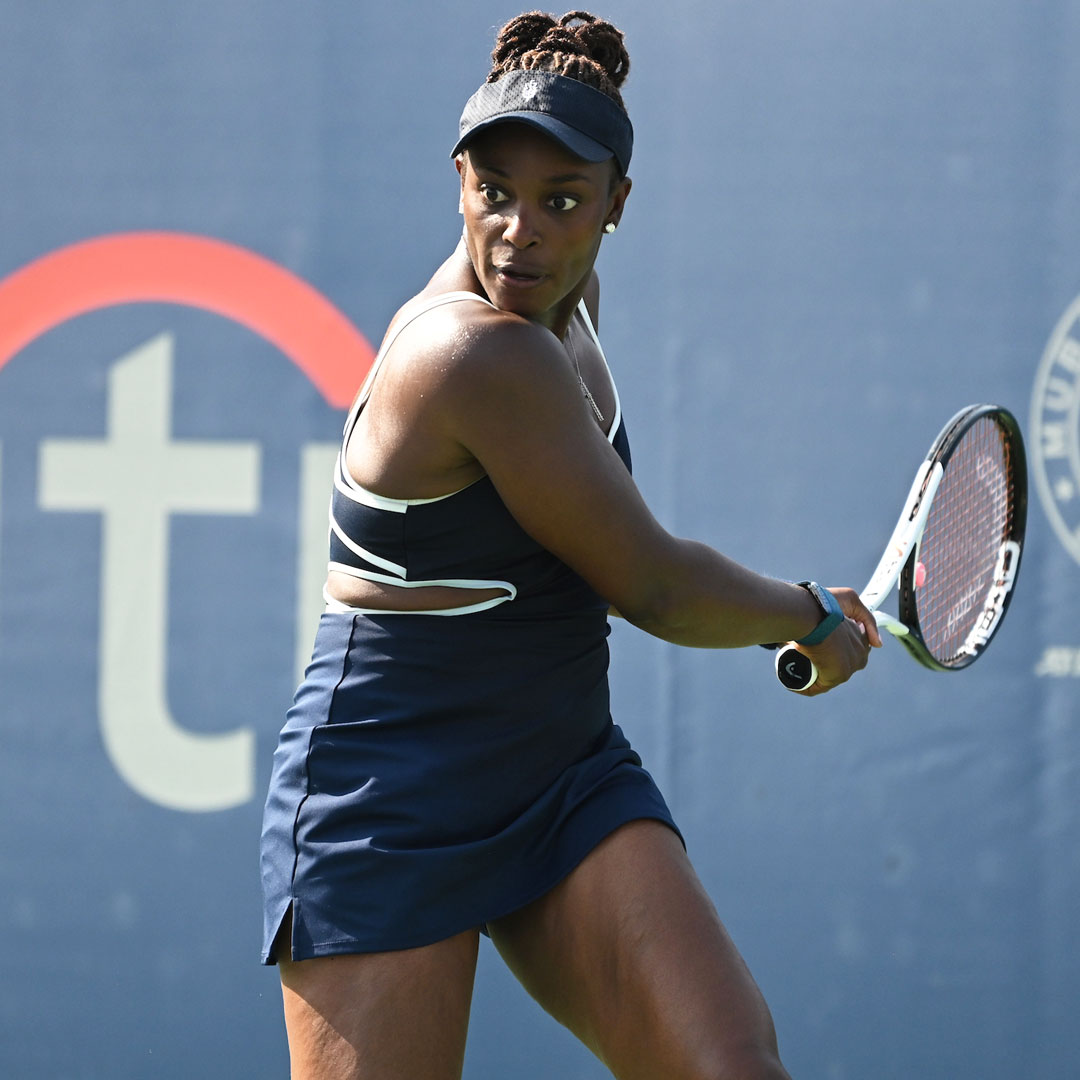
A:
[585,121]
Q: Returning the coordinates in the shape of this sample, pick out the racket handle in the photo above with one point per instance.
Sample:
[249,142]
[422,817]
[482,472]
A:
[795,669]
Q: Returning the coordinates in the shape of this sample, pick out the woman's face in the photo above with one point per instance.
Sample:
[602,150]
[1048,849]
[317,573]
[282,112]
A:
[534,217]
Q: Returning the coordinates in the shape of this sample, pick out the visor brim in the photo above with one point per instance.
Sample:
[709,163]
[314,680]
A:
[579,144]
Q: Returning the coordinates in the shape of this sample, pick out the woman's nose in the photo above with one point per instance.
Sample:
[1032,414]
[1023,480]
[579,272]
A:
[520,229]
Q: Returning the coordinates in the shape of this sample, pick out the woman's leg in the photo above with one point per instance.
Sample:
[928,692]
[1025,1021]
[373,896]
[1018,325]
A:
[380,1016]
[629,953]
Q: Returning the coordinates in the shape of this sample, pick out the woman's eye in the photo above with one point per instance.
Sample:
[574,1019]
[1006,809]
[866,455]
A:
[563,202]
[493,194]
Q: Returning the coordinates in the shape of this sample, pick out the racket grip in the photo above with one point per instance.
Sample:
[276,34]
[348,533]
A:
[795,669]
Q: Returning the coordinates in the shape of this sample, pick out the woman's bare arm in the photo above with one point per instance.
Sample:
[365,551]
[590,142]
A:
[513,402]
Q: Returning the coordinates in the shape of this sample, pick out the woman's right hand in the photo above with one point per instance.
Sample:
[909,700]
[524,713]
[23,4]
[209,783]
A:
[847,649]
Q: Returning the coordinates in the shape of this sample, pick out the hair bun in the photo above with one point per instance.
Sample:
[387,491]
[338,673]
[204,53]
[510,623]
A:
[519,36]
[563,39]
[579,45]
[602,42]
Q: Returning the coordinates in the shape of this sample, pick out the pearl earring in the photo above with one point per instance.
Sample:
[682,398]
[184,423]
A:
[609,228]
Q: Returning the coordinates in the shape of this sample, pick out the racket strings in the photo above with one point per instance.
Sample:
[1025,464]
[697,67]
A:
[969,521]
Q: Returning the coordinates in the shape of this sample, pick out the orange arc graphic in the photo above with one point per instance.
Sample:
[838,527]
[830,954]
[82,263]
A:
[197,271]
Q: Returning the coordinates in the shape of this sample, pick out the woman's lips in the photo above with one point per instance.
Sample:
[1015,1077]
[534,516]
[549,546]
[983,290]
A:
[519,277]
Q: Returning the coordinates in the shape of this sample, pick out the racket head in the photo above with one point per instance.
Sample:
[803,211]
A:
[958,581]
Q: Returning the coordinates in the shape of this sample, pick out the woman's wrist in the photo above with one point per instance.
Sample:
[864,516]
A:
[832,615]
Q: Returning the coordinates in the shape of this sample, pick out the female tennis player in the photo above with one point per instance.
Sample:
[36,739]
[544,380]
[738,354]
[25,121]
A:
[449,765]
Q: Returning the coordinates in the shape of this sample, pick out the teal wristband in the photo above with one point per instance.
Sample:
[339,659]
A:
[829,605]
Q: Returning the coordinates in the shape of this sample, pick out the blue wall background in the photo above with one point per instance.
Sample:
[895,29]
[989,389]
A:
[848,219]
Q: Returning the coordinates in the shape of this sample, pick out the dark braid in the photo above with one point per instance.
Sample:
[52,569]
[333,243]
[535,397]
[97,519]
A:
[515,39]
[579,46]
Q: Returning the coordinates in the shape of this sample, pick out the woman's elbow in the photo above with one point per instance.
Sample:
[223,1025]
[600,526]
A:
[658,613]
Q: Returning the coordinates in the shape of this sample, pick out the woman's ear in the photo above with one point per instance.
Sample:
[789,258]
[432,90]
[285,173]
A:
[618,200]
[459,164]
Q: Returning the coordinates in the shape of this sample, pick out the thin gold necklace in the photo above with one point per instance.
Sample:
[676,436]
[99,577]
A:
[584,389]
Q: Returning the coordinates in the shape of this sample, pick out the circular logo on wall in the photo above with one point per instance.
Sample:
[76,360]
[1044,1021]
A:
[1055,429]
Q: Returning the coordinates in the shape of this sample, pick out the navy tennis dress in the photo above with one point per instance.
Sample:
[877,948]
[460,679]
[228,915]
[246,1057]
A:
[438,770]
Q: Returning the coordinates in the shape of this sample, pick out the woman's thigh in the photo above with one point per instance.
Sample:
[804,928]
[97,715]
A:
[629,953]
[381,1016]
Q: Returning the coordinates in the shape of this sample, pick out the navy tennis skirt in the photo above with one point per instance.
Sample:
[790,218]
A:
[438,772]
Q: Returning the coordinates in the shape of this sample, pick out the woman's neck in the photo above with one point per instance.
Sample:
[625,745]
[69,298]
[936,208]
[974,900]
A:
[456,274]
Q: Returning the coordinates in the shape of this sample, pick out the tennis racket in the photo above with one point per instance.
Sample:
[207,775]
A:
[955,550]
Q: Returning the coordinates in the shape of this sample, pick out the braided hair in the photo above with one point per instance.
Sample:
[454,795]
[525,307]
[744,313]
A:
[579,46]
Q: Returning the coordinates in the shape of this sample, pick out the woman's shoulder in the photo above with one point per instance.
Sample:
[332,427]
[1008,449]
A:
[461,334]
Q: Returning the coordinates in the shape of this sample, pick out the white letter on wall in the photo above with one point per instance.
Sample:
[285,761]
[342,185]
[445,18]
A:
[136,477]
